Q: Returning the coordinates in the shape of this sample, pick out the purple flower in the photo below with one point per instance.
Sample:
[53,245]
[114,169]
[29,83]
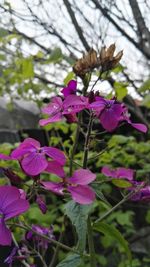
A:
[138,126]
[142,195]
[9,260]
[77,186]
[11,205]
[111,113]
[70,88]
[120,173]
[38,240]
[33,157]
[108,111]
[59,109]
[41,203]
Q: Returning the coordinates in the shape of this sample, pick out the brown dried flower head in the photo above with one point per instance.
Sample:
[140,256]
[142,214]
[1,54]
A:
[104,60]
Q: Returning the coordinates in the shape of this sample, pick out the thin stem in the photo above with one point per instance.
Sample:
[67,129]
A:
[85,162]
[37,253]
[75,145]
[91,243]
[19,252]
[127,197]
[27,228]
[53,261]
[87,139]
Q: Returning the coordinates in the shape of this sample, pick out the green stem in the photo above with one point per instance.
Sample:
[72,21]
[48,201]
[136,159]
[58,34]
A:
[89,226]
[91,243]
[127,197]
[75,144]
[19,252]
[87,139]
[27,228]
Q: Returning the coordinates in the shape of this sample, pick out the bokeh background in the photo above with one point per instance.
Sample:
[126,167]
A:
[40,41]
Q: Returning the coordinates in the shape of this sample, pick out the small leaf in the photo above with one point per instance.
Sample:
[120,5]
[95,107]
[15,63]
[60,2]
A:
[3,32]
[56,55]
[78,215]
[120,90]
[121,183]
[69,77]
[145,86]
[100,195]
[72,260]
[113,232]
[27,68]
[146,101]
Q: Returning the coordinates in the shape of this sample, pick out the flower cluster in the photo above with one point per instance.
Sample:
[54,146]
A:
[143,193]
[110,112]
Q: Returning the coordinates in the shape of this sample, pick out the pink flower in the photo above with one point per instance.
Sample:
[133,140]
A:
[111,113]
[70,88]
[77,186]
[12,204]
[33,157]
[120,173]
[59,109]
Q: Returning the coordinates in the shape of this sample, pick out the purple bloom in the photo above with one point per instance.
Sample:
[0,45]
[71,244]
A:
[33,157]
[38,240]
[111,113]
[120,173]
[41,203]
[139,126]
[70,88]
[108,111]
[11,205]
[9,260]
[59,109]
[77,186]
[142,195]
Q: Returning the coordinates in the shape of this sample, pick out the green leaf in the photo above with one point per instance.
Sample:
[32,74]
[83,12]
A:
[72,260]
[69,77]
[27,68]
[118,68]
[113,232]
[78,215]
[120,90]
[145,86]
[121,183]
[3,32]
[146,101]
[56,55]
[100,194]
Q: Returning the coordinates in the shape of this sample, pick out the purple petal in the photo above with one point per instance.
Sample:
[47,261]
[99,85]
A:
[82,194]
[34,163]
[125,173]
[82,177]
[30,142]
[27,146]
[41,203]
[56,188]
[5,234]
[55,118]
[55,154]
[110,117]
[73,104]
[16,208]
[54,107]
[5,157]
[70,88]
[56,168]
[108,172]
[98,105]
[8,194]
[140,126]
